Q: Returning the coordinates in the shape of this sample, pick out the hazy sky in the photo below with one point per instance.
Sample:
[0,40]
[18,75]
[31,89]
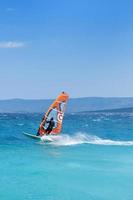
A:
[84,47]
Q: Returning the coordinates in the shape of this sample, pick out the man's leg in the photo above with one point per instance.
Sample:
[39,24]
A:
[49,131]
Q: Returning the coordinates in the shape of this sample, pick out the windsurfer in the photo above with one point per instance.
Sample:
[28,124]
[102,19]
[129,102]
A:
[42,130]
[50,126]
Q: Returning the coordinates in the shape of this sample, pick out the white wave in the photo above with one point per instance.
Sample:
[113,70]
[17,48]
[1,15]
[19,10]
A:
[97,120]
[20,124]
[80,138]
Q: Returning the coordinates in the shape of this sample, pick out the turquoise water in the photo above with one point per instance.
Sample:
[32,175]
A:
[91,160]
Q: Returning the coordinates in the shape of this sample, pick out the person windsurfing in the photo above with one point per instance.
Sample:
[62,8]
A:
[50,126]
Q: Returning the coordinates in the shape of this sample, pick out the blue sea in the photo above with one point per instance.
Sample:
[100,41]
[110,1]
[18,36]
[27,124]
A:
[91,160]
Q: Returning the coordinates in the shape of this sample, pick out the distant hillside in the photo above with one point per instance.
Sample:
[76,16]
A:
[74,105]
[117,110]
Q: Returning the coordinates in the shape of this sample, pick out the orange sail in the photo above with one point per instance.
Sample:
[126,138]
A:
[55,111]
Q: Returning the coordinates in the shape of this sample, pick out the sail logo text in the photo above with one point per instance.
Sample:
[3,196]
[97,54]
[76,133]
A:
[60,117]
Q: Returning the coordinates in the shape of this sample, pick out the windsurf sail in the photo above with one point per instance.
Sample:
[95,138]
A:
[55,111]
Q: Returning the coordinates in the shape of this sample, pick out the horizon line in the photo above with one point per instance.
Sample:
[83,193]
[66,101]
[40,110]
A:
[39,99]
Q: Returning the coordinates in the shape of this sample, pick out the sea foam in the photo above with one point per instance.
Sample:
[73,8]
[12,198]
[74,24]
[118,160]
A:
[83,138]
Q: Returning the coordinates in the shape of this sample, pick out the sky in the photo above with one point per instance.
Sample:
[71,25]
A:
[83,47]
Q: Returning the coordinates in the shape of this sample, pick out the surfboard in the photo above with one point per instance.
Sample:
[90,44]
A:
[32,136]
[45,138]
